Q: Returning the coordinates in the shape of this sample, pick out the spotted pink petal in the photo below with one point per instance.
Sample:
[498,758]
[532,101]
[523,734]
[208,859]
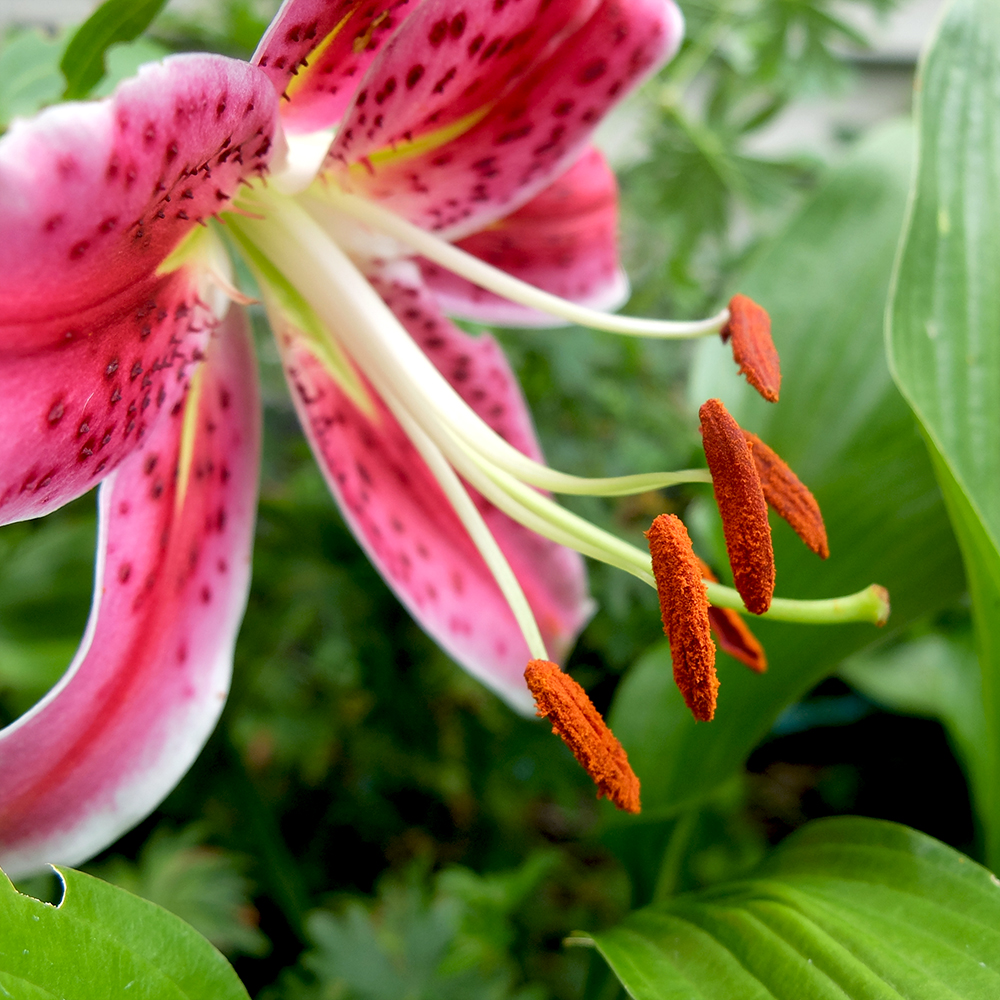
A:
[536,118]
[101,750]
[93,197]
[316,52]
[402,518]
[450,59]
[564,241]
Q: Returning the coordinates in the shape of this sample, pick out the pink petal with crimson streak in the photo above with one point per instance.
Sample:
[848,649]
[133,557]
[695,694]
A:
[402,518]
[316,52]
[530,133]
[101,750]
[91,339]
[564,241]
[450,59]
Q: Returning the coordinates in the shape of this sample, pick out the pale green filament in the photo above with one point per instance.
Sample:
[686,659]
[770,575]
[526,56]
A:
[382,220]
[478,531]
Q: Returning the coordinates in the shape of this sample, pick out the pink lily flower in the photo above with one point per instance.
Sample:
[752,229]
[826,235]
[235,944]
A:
[376,166]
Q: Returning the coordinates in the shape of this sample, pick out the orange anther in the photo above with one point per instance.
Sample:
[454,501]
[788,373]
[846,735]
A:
[582,729]
[741,504]
[789,497]
[753,349]
[731,632]
[684,609]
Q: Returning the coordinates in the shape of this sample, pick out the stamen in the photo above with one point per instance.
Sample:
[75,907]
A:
[741,505]
[731,632]
[499,282]
[789,497]
[582,729]
[685,612]
[477,528]
[753,349]
[353,320]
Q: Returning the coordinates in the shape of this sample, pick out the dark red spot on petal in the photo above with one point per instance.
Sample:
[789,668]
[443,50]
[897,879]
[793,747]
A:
[594,70]
[438,32]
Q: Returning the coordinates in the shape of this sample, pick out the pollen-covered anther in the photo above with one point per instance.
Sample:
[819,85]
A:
[749,327]
[685,612]
[742,506]
[574,718]
[788,496]
[731,632]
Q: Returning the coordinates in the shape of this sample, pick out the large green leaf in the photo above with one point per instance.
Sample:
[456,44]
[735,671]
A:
[845,429]
[944,329]
[846,908]
[102,943]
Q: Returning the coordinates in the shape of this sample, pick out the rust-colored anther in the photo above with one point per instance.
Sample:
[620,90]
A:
[731,632]
[753,349]
[685,611]
[582,729]
[785,492]
[741,505]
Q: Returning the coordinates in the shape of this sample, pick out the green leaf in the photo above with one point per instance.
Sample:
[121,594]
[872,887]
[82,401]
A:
[114,21]
[844,428]
[846,907]
[29,74]
[123,61]
[944,323]
[104,943]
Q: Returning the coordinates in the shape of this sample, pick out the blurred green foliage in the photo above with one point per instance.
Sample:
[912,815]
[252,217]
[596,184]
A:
[446,936]
[203,885]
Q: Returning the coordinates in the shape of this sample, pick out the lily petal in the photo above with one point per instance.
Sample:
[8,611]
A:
[564,241]
[507,138]
[399,513]
[101,750]
[315,52]
[93,199]
[447,66]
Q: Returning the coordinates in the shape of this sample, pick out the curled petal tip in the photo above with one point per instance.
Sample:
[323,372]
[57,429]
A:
[685,612]
[582,729]
[741,505]
[749,327]
[788,496]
